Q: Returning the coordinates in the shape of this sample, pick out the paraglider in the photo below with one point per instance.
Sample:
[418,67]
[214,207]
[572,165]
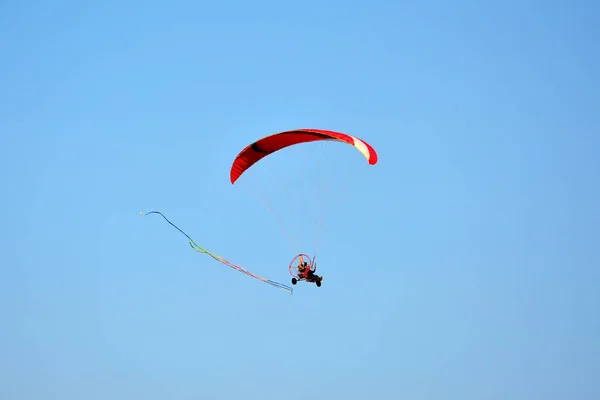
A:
[302,267]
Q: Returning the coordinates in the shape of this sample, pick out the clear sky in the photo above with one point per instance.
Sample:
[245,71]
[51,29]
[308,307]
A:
[464,265]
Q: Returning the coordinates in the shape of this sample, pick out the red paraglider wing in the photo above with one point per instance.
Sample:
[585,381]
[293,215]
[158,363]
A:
[270,144]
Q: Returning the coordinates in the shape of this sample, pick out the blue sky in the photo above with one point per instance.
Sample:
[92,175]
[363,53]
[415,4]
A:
[464,265]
